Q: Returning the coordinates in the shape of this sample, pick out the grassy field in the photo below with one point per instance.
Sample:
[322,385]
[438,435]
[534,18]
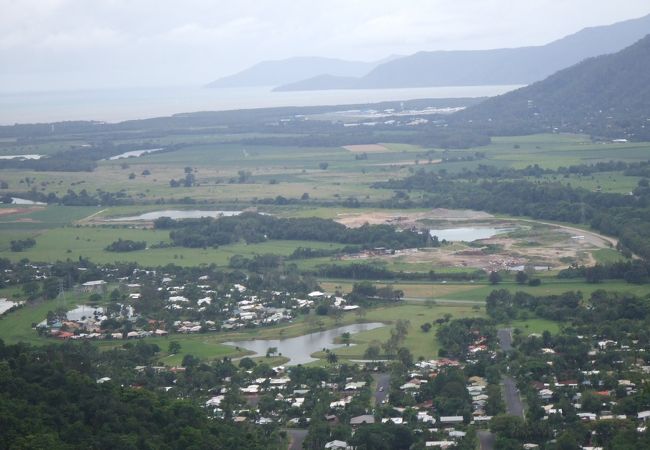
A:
[552,151]
[606,256]
[534,326]
[413,289]
[417,341]
[291,171]
[552,288]
[17,325]
[479,291]
[288,171]
[90,242]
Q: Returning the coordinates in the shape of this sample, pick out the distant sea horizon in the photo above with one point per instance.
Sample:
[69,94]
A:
[120,104]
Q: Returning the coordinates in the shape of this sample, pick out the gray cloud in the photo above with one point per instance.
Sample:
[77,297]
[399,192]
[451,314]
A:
[66,44]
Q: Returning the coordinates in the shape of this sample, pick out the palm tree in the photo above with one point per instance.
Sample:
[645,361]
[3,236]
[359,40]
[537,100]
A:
[332,358]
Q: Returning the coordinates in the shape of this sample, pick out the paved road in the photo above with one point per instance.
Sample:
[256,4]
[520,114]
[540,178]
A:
[514,405]
[383,381]
[486,440]
[296,438]
[504,335]
[511,396]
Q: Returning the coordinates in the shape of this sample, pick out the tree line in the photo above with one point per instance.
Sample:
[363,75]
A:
[253,227]
[50,399]
[623,216]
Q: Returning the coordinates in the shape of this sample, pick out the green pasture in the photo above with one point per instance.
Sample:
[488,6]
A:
[291,171]
[417,341]
[477,292]
[564,150]
[16,326]
[612,182]
[552,287]
[14,147]
[534,326]
[90,242]
[608,255]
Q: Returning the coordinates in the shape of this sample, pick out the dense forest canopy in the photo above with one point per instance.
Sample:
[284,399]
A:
[49,398]
[606,96]
[253,227]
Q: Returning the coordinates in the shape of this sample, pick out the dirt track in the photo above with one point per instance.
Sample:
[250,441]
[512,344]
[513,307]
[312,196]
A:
[590,236]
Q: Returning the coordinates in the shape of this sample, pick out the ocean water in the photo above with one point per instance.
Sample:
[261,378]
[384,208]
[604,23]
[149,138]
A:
[115,105]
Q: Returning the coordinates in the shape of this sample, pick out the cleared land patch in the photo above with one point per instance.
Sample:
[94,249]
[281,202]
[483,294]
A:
[529,243]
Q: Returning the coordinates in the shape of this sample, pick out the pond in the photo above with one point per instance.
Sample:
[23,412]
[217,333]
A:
[84,311]
[24,201]
[6,305]
[134,154]
[521,268]
[298,349]
[21,157]
[468,234]
[177,214]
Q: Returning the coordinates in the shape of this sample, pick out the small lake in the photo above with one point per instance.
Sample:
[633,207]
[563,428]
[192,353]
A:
[522,268]
[84,311]
[177,214]
[24,201]
[134,154]
[21,157]
[299,349]
[468,234]
[6,305]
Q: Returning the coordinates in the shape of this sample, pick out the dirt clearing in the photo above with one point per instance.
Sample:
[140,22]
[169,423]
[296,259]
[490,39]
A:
[529,243]
[406,219]
[11,211]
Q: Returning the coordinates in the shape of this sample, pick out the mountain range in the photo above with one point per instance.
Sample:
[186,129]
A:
[608,95]
[506,66]
[273,73]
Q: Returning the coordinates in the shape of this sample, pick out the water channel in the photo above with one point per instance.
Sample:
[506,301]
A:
[177,214]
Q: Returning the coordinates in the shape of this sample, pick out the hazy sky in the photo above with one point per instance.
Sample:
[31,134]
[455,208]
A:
[68,44]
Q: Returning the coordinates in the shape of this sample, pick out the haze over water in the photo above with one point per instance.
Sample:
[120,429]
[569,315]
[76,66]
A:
[116,105]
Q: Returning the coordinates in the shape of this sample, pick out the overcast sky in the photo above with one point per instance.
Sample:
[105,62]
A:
[70,44]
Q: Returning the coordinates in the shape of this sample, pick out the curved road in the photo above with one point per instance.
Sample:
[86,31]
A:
[593,236]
